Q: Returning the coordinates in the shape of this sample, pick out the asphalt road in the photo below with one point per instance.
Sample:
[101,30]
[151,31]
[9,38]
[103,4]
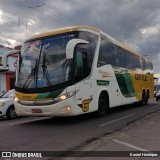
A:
[66,134]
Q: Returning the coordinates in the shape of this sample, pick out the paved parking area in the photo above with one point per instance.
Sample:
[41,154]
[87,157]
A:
[140,136]
[126,128]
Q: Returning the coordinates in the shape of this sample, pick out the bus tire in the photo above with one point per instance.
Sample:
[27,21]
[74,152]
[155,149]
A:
[144,100]
[102,105]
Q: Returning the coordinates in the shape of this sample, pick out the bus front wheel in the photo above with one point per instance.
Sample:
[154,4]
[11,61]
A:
[102,105]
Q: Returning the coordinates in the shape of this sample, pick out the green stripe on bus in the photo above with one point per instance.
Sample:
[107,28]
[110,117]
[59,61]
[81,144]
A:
[53,94]
[125,82]
[43,95]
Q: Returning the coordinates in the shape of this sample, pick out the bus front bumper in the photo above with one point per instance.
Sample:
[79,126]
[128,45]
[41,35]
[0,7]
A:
[63,108]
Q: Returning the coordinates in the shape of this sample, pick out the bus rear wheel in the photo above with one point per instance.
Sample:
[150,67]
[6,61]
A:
[102,105]
[144,100]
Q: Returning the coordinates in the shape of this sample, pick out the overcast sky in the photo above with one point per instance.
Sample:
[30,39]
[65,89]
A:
[133,22]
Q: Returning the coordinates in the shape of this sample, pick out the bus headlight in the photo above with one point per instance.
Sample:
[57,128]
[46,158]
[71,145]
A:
[16,99]
[66,96]
[62,97]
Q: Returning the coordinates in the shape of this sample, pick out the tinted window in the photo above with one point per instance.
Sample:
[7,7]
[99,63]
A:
[128,59]
[92,39]
[113,54]
[106,55]
[119,56]
[131,61]
[136,62]
[81,64]
[143,64]
[149,66]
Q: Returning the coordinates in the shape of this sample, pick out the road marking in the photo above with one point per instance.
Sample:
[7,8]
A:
[31,120]
[129,145]
[154,106]
[101,125]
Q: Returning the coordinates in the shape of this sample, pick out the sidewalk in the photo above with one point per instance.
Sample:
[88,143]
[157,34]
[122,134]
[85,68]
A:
[142,135]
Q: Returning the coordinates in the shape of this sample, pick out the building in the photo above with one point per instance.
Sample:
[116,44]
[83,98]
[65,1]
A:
[7,76]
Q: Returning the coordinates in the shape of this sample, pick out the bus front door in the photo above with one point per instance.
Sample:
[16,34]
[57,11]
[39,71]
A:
[84,86]
[116,98]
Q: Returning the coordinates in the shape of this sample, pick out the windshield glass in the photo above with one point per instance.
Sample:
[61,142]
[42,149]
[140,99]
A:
[9,94]
[44,62]
[30,57]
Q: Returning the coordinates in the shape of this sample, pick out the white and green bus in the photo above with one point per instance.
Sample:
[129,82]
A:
[76,70]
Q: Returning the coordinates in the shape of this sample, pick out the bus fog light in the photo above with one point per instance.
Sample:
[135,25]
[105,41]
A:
[68,108]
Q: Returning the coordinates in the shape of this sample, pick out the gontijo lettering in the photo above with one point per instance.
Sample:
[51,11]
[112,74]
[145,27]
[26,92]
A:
[140,77]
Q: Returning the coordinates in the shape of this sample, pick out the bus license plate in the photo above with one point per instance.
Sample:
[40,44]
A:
[36,111]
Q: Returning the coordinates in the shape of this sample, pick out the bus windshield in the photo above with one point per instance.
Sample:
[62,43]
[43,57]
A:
[43,62]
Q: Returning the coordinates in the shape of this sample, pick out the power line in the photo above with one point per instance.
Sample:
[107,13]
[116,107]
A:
[10,17]
[48,16]
[37,6]
[9,44]
[66,16]
[69,18]
[25,23]
[7,11]
[16,21]
[19,22]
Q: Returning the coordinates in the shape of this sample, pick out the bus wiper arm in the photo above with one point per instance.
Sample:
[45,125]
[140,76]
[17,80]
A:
[32,74]
[45,72]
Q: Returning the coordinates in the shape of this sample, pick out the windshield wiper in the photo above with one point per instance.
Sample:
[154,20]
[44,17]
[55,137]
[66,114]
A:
[32,74]
[45,72]
[20,62]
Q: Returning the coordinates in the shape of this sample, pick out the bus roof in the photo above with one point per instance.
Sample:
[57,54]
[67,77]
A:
[62,30]
[77,28]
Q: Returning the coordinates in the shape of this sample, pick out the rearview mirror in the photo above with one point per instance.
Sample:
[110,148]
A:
[71,45]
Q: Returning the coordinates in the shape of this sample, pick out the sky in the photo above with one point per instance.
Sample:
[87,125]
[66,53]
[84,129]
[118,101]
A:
[135,23]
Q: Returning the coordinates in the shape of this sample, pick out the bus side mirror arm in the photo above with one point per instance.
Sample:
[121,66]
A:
[71,45]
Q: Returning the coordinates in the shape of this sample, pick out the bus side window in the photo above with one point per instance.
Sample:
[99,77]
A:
[136,62]
[119,56]
[151,67]
[128,60]
[143,64]
[106,55]
[81,64]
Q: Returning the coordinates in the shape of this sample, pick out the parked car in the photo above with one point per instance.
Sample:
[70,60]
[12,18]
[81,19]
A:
[158,95]
[155,92]
[7,105]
